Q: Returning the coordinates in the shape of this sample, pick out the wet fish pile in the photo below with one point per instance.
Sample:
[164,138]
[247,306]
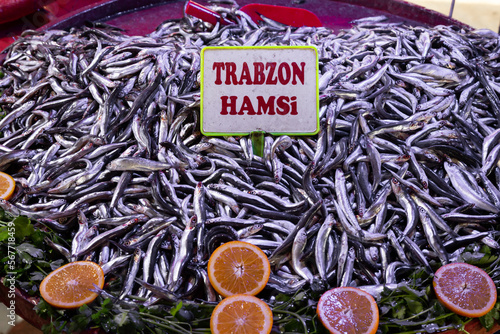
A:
[102,135]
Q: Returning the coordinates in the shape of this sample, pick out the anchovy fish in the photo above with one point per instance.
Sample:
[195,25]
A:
[101,133]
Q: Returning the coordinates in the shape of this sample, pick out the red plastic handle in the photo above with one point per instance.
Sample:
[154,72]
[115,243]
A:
[205,14]
[295,17]
[292,16]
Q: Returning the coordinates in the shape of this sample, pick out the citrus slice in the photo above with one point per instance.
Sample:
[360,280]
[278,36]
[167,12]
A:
[7,186]
[465,289]
[241,314]
[348,310]
[238,267]
[70,285]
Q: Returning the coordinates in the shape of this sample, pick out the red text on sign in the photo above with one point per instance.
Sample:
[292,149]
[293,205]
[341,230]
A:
[270,73]
[281,105]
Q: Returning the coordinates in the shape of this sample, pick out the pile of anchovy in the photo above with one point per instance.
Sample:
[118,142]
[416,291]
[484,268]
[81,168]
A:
[101,134]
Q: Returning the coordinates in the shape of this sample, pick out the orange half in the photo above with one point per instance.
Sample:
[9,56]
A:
[465,289]
[70,285]
[241,314]
[347,310]
[7,186]
[238,267]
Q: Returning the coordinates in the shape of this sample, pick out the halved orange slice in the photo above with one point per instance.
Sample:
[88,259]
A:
[7,186]
[70,285]
[465,289]
[348,310]
[241,314]
[238,267]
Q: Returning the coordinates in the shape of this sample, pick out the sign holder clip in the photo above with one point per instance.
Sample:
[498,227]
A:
[257,138]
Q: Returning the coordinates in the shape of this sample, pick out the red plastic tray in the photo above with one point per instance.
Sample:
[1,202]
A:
[139,17]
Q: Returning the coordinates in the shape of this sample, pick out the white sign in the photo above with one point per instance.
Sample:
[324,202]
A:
[272,89]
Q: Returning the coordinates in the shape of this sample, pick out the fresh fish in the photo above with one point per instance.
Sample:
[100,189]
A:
[101,134]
